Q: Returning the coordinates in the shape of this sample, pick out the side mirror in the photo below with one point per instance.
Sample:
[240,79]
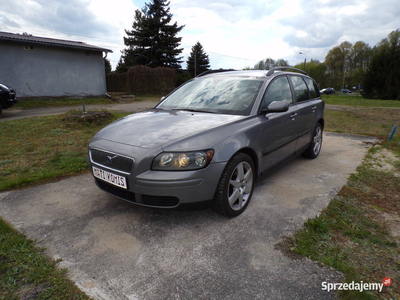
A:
[277,106]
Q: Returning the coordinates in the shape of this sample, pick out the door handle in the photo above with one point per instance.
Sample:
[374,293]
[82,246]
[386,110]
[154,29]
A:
[314,107]
[293,115]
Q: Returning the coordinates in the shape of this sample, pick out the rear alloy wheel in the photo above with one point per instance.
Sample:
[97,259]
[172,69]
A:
[316,143]
[236,186]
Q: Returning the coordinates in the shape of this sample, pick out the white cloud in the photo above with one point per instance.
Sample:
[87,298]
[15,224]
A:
[235,28]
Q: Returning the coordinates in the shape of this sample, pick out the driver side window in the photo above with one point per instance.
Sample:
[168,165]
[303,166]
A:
[278,90]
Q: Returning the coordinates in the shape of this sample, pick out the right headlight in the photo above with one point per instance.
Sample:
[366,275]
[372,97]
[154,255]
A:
[182,161]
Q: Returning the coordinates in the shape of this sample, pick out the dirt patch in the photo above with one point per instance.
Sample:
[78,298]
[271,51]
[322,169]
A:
[90,117]
[384,161]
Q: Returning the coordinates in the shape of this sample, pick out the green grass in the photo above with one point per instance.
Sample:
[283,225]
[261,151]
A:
[358,100]
[36,103]
[376,122]
[26,273]
[43,148]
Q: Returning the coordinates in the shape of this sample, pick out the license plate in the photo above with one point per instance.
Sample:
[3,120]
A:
[117,180]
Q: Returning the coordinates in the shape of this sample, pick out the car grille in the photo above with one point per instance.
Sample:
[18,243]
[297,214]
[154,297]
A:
[111,160]
[160,201]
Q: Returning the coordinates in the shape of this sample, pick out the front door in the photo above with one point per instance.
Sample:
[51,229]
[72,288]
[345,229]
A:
[278,129]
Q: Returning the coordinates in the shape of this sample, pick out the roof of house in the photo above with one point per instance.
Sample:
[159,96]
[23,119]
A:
[6,36]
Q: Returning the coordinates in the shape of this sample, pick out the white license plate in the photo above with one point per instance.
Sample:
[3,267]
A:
[117,180]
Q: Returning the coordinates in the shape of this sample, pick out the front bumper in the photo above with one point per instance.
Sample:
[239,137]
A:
[10,102]
[168,189]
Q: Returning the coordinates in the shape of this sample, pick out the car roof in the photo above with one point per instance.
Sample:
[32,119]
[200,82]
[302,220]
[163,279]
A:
[251,73]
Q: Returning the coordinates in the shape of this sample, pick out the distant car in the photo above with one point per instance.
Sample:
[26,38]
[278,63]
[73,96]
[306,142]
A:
[346,91]
[210,139]
[327,91]
[7,97]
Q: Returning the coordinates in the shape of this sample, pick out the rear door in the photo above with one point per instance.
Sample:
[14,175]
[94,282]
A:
[307,102]
[278,129]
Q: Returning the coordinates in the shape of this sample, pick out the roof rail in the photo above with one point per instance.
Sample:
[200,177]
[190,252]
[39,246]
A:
[214,71]
[272,71]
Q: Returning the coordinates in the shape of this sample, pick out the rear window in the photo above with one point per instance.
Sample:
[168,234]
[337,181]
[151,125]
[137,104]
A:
[312,86]
[300,88]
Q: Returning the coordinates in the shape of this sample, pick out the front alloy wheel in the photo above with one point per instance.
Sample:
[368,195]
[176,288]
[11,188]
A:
[236,186]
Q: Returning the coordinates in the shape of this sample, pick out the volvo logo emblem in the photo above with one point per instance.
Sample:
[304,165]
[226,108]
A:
[110,158]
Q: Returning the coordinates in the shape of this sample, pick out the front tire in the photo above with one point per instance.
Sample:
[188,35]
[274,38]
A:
[314,148]
[236,186]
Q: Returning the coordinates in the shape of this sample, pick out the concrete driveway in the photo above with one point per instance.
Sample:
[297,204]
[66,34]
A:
[115,250]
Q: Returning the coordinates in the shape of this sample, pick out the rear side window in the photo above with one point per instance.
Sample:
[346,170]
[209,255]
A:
[312,87]
[300,88]
[278,90]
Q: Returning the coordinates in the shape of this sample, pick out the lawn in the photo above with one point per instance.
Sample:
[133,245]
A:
[358,100]
[43,148]
[45,102]
[352,234]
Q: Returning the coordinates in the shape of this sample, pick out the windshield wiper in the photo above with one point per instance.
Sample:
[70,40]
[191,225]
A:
[195,110]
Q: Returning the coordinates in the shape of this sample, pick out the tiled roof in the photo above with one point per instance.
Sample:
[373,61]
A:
[48,41]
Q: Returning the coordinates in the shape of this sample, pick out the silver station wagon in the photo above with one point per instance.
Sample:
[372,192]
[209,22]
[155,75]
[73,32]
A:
[210,139]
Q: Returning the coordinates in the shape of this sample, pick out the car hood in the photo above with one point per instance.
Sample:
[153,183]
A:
[156,128]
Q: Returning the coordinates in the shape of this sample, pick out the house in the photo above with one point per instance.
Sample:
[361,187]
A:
[45,67]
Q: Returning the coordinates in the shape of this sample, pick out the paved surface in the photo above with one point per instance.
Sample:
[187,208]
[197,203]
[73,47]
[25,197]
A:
[15,113]
[115,250]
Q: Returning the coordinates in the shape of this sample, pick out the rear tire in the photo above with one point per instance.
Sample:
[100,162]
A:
[235,187]
[314,148]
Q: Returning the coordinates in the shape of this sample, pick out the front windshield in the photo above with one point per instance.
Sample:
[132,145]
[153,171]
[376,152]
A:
[225,95]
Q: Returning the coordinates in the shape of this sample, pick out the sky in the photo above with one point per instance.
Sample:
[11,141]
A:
[234,33]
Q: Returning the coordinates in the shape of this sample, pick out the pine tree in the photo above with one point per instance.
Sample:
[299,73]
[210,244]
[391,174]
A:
[107,65]
[198,61]
[382,80]
[152,40]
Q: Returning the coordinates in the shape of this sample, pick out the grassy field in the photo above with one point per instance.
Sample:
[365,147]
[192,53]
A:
[36,103]
[27,104]
[376,122]
[353,234]
[43,148]
[358,100]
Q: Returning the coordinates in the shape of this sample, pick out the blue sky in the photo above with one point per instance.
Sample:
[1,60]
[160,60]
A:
[234,33]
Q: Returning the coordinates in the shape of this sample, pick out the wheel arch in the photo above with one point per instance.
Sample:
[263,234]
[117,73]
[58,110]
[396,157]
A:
[322,121]
[253,155]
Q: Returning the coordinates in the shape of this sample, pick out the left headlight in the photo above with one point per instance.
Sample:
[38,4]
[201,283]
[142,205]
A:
[182,161]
